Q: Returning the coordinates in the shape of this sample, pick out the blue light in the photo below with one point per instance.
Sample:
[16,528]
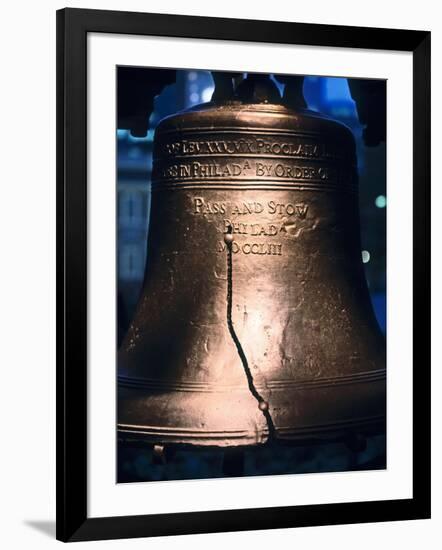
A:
[136,139]
[122,134]
[126,135]
[206,94]
[337,89]
[381,201]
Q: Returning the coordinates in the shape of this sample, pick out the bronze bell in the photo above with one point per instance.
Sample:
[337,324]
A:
[255,321]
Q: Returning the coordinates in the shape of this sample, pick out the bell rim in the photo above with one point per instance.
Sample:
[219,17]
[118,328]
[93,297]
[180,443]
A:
[335,432]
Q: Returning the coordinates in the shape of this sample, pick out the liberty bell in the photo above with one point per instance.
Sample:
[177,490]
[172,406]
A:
[255,322]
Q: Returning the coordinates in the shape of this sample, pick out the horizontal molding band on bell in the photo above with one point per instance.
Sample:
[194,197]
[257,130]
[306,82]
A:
[361,377]
[284,432]
[250,185]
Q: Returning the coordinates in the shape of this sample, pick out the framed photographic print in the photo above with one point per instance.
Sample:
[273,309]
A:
[243,274]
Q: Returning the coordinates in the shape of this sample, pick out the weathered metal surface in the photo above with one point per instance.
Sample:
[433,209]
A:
[255,319]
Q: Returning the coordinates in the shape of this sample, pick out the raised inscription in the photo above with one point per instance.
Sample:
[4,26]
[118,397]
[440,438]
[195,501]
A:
[202,206]
[296,147]
[261,249]
[250,219]
[247,169]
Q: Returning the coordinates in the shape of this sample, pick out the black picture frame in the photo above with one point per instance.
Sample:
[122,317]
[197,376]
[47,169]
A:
[73,25]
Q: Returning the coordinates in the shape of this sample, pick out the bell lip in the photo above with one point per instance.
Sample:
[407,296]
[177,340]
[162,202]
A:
[376,425]
[329,425]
